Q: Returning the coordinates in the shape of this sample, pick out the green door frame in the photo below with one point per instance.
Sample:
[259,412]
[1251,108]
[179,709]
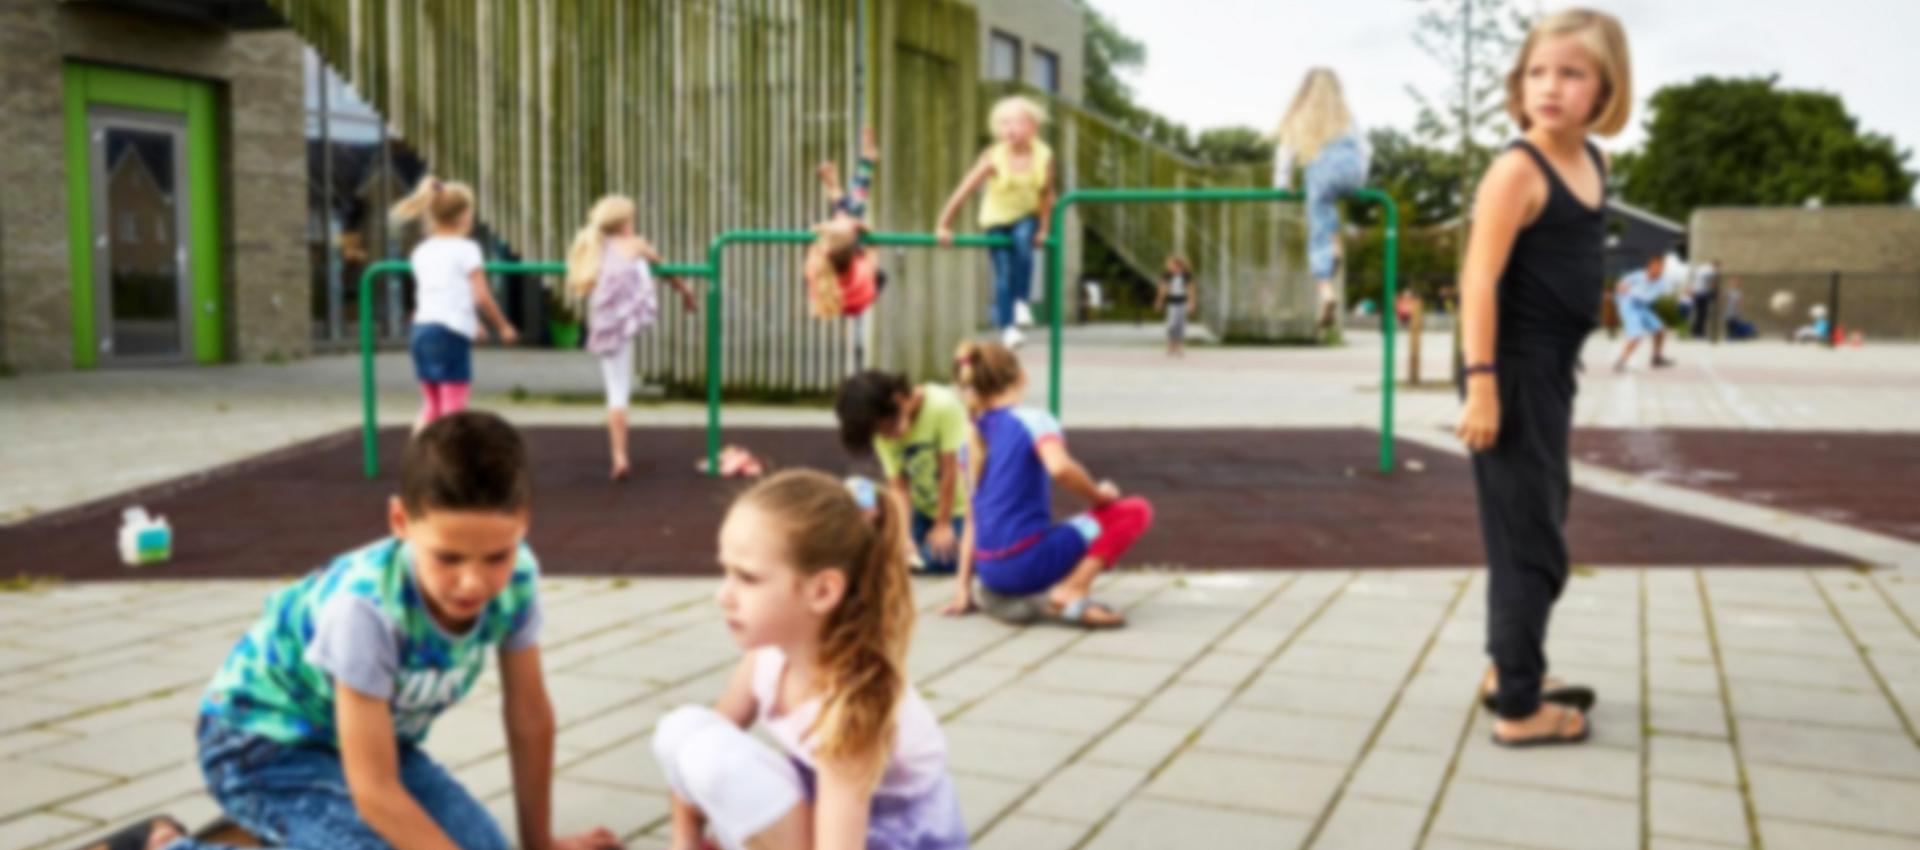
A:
[86,85]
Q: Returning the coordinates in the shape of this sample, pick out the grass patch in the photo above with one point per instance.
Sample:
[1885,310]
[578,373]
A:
[28,583]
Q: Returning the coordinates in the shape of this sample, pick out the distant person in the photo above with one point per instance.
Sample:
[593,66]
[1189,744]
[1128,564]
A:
[450,284]
[1177,292]
[1319,129]
[1634,297]
[1017,171]
[1092,300]
[1705,290]
[1735,325]
[1818,327]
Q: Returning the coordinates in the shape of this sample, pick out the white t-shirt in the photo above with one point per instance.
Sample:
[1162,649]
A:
[443,269]
[917,762]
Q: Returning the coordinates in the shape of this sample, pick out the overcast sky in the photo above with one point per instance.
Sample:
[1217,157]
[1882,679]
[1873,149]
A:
[1215,62]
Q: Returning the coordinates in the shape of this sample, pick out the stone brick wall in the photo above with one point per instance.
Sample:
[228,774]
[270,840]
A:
[263,171]
[1877,239]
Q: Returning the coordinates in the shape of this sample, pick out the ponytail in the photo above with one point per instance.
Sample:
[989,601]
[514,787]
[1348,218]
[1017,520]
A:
[439,202]
[859,528]
[984,370]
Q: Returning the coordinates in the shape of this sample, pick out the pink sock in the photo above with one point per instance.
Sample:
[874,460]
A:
[453,397]
[429,405]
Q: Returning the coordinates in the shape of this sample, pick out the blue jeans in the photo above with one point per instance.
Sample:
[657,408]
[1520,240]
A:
[922,524]
[296,797]
[1335,172]
[1012,268]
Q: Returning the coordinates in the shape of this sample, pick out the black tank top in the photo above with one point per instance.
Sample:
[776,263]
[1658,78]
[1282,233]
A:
[1549,295]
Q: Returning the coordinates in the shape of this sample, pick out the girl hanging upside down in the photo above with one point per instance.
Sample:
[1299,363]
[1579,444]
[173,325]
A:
[843,275]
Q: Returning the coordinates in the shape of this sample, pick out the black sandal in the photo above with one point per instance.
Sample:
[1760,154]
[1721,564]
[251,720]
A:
[1571,696]
[134,836]
[1555,738]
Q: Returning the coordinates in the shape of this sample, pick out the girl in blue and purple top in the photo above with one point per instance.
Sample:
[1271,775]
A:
[607,272]
[1015,458]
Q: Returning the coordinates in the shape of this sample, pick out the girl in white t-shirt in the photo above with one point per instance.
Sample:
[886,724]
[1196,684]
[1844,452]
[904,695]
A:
[450,284]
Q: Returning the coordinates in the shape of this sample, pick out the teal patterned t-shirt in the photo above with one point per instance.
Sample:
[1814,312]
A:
[362,622]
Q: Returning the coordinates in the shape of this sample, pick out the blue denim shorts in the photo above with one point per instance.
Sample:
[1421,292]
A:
[441,355]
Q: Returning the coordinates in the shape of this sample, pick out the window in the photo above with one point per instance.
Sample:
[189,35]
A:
[1003,57]
[1046,70]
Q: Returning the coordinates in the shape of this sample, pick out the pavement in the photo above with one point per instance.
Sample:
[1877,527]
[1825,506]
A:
[1740,708]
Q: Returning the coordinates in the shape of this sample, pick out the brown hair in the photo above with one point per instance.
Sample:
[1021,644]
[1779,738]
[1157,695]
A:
[985,370]
[436,200]
[863,645]
[467,461]
[1602,36]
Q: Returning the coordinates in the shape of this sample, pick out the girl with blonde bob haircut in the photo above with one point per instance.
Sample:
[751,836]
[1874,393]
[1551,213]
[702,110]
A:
[1319,129]
[1531,287]
[1017,173]
[608,275]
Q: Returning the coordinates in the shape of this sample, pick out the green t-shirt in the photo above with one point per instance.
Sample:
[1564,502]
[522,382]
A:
[940,427]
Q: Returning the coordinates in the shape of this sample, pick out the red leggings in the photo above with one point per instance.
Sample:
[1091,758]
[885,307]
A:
[440,400]
[1044,559]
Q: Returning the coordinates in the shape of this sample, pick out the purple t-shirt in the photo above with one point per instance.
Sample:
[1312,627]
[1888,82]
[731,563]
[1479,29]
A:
[1013,501]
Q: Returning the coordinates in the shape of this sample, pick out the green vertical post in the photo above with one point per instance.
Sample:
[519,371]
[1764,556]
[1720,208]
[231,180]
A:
[714,324]
[369,413]
[1388,325]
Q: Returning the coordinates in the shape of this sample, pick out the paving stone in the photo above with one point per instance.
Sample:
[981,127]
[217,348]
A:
[627,765]
[1344,662]
[1413,727]
[1787,835]
[1136,743]
[1804,671]
[1006,752]
[1834,799]
[1516,815]
[1186,706]
[1294,736]
[1826,706]
[1584,769]
[1113,677]
[31,785]
[1223,669]
[1083,792]
[1371,825]
[1699,678]
[1406,776]
[970,682]
[1031,707]
[130,751]
[1702,812]
[1824,747]
[41,827]
[1213,778]
[1688,714]
[984,798]
[1139,647]
[18,712]
[1700,760]
[1021,832]
[139,795]
[1296,692]
[1143,824]
[1029,647]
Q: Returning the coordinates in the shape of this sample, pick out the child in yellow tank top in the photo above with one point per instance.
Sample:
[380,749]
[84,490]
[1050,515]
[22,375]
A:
[1017,173]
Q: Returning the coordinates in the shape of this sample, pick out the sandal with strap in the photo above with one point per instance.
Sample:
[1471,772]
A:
[1571,696]
[1555,738]
[1075,614]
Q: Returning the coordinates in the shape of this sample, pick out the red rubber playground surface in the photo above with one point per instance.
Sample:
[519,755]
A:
[1224,499]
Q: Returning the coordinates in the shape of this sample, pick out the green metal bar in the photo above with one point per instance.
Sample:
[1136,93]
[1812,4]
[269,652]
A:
[1056,270]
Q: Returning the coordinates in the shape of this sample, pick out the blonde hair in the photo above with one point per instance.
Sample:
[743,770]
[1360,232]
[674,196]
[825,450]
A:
[1012,105]
[608,216]
[1602,36]
[1318,115]
[863,644]
[984,370]
[439,202]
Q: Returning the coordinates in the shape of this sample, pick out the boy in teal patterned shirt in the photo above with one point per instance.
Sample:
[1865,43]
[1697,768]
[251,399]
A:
[310,733]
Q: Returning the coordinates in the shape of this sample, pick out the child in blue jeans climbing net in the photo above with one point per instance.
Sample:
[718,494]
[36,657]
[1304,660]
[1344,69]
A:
[310,734]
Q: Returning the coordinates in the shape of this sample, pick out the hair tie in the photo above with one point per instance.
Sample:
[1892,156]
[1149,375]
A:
[864,495]
[435,185]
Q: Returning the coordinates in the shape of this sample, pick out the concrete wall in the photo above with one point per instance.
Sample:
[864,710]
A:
[263,170]
[1784,240]
[1056,25]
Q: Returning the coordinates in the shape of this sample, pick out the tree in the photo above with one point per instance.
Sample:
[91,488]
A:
[1422,179]
[1232,146]
[1720,141]
[1472,40]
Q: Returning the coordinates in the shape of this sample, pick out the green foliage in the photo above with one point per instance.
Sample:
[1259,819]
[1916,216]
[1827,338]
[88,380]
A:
[1723,141]
[1473,41]
[1108,52]
[1420,177]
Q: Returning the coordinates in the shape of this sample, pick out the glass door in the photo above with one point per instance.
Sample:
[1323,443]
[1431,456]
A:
[142,282]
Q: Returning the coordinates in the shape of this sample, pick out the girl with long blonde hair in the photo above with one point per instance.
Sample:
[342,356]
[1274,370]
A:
[608,274]
[814,587]
[1320,131]
[1017,172]
[450,284]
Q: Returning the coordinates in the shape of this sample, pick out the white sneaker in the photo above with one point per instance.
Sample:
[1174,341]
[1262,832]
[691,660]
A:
[1011,338]
[1022,315]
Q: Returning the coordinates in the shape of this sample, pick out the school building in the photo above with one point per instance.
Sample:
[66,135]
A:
[196,181]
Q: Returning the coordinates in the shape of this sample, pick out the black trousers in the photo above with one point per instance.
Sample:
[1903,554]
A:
[1523,483]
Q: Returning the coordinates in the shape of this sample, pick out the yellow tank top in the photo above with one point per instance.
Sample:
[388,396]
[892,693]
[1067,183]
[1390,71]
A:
[1012,195]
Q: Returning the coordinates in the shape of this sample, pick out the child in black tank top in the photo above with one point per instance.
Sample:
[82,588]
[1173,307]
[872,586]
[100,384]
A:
[1530,293]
